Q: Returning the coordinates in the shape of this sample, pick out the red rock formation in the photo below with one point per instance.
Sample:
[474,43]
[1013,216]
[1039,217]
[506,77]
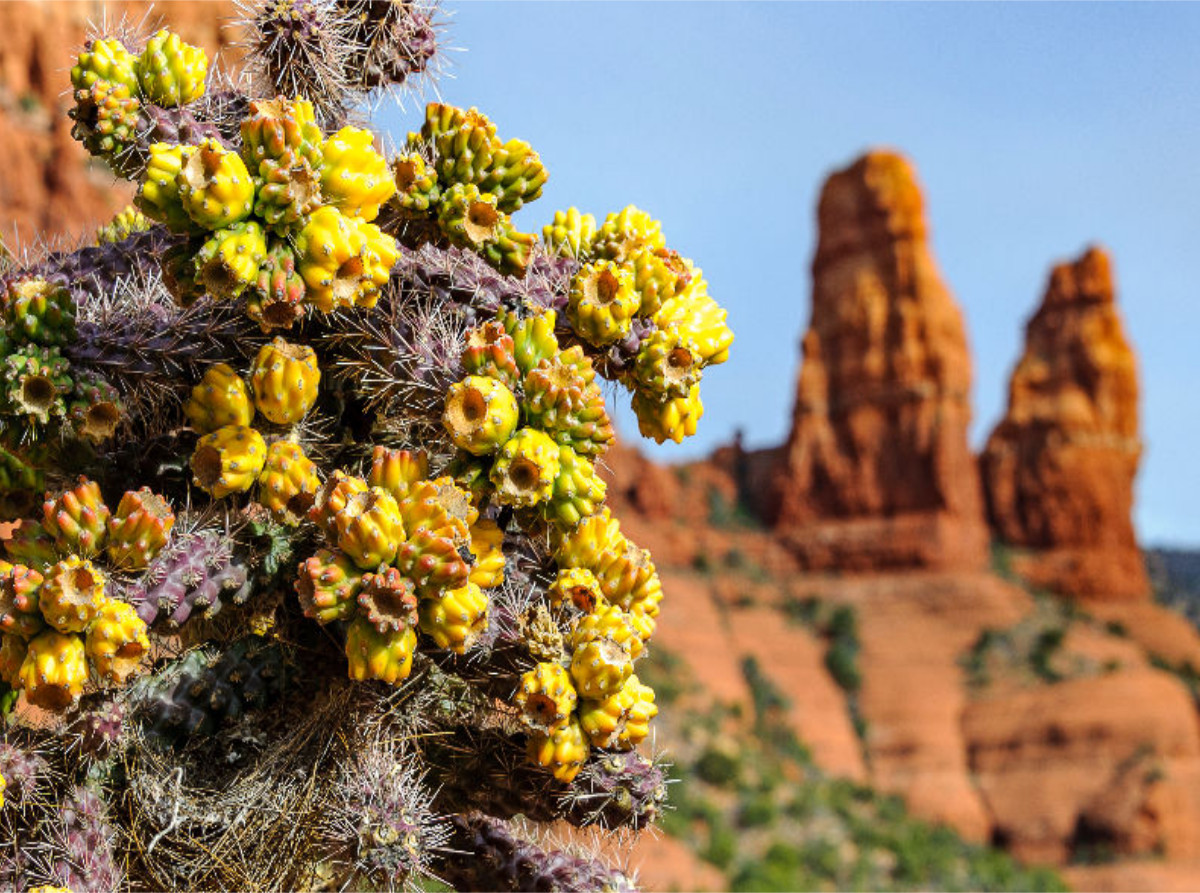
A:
[48,185]
[877,472]
[1059,468]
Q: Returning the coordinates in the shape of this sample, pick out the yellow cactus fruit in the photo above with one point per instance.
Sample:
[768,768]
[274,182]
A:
[78,518]
[284,378]
[158,195]
[20,587]
[672,419]
[668,364]
[12,655]
[481,414]
[607,621]
[440,507]
[602,303]
[658,274]
[388,600]
[229,460]
[117,642]
[456,619]
[585,544]
[369,529]
[489,351]
[643,622]
[600,665]
[533,336]
[54,670]
[375,655]
[474,220]
[214,186]
[578,490]
[604,720]
[625,232]
[125,223]
[700,319]
[229,260]
[546,698]
[570,234]
[344,262]
[637,723]
[221,398]
[170,71]
[397,470]
[72,594]
[525,469]
[139,529]
[289,482]
[332,497]
[628,577]
[3,786]
[280,129]
[576,586]
[487,540]
[47,888]
[328,584]
[354,177]
[561,396]
[105,60]
[562,752]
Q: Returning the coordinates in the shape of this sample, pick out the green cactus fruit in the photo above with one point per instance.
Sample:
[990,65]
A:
[515,176]
[289,189]
[31,545]
[490,351]
[354,177]
[77,518]
[471,473]
[668,364]
[20,484]
[126,222]
[229,260]
[700,319]
[94,408]
[465,143]
[417,189]
[570,234]
[602,303]
[280,128]
[625,232]
[480,414]
[471,219]
[277,299]
[214,186]
[441,119]
[36,380]
[20,611]
[39,312]
[328,584]
[658,274]
[578,490]
[525,469]
[673,418]
[158,195]
[171,72]
[563,398]
[532,334]
[106,119]
[105,60]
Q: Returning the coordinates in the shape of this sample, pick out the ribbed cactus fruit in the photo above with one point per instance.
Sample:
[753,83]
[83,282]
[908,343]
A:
[464,142]
[94,408]
[604,720]
[214,186]
[456,619]
[72,594]
[602,303]
[673,418]
[229,460]
[170,71]
[562,397]
[578,587]
[375,655]
[490,351]
[332,497]
[54,671]
[578,491]
[288,483]
[480,415]
[369,528]
[533,337]
[668,365]
[591,542]
[328,584]
[277,299]
[124,224]
[158,193]
[228,261]
[526,469]
[139,529]
[607,621]
[32,545]
[487,548]
[600,660]
[35,383]
[658,274]
[472,219]
[20,613]
[417,189]
[39,312]
[355,178]
[344,262]
[563,752]
[545,698]
[275,129]
[625,232]
[700,319]
[105,59]
[637,723]
[397,470]
[116,642]
[107,116]
[284,378]
[570,234]
[77,518]
[220,398]
[289,190]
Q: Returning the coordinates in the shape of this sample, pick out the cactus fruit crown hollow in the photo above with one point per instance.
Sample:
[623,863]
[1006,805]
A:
[283,300]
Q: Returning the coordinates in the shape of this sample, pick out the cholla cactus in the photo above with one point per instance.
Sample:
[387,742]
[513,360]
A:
[318,430]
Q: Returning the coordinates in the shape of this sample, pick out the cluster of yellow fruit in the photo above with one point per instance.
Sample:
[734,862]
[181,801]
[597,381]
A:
[395,564]
[55,613]
[231,456]
[629,275]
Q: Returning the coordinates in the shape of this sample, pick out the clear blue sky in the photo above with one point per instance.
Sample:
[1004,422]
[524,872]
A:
[1035,128]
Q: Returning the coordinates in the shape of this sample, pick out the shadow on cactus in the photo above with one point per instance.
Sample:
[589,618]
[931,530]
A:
[314,584]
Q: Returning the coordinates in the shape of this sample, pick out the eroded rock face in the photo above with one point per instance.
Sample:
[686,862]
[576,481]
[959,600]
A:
[49,186]
[877,471]
[1059,468]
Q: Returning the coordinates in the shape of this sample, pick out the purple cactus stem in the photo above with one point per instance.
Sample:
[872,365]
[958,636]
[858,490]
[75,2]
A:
[195,572]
